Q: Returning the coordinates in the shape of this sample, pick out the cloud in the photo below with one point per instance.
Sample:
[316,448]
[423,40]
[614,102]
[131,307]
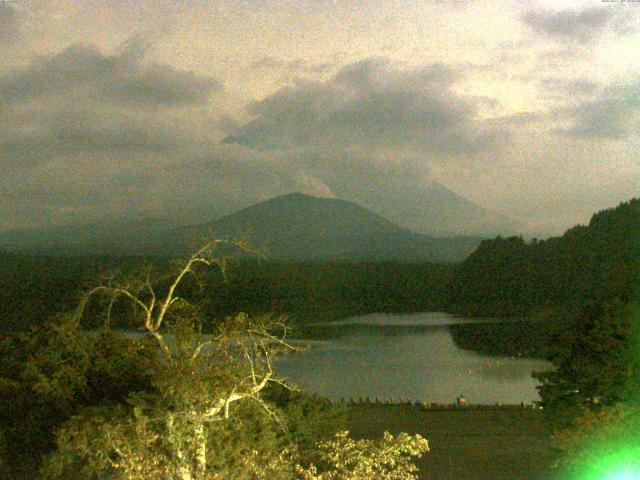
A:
[54,133]
[86,135]
[74,147]
[564,86]
[82,72]
[373,105]
[85,104]
[77,145]
[9,24]
[613,114]
[576,25]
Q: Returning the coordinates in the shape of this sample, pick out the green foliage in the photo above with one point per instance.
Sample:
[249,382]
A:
[171,403]
[4,456]
[596,362]
[152,435]
[35,288]
[50,374]
[529,339]
[306,419]
[306,290]
[140,443]
[390,458]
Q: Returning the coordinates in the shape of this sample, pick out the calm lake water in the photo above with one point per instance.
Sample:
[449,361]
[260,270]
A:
[393,356]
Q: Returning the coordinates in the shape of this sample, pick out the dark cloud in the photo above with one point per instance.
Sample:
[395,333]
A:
[613,114]
[518,120]
[84,104]
[54,133]
[192,186]
[373,105]
[561,90]
[70,193]
[82,72]
[579,25]
[9,24]
[86,134]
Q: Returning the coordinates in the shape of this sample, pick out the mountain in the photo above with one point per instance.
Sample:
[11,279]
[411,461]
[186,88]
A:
[431,209]
[292,227]
[299,227]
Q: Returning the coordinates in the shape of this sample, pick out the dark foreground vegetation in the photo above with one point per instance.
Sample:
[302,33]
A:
[478,444]
[33,288]
[543,281]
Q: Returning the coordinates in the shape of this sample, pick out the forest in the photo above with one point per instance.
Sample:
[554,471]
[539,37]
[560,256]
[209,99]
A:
[508,276]
[35,287]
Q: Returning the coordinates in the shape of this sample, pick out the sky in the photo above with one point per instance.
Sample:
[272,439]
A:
[191,109]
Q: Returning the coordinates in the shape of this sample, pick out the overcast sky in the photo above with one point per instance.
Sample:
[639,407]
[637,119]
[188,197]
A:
[124,108]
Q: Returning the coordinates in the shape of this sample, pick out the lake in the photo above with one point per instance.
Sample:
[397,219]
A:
[414,356]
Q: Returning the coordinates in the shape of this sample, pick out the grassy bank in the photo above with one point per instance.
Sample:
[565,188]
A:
[466,444]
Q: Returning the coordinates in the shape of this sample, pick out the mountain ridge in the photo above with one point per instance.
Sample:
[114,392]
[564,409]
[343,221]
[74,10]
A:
[294,226]
[297,226]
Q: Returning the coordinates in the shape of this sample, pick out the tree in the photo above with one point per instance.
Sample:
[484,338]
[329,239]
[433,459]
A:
[387,459]
[4,467]
[592,399]
[197,382]
[596,362]
[51,373]
[602,443]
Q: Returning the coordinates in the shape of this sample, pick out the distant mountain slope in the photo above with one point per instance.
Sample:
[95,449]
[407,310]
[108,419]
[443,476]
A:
[506,275]
[431,209]
[301,227]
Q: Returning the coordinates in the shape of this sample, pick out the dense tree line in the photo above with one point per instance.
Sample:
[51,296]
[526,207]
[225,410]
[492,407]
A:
[591,397]
[508,276]
[32,288]
[588,282]
[596,359]
[328,291]
[503,277]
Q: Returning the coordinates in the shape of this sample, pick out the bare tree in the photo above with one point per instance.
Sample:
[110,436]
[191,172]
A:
[199,378]
[201,383]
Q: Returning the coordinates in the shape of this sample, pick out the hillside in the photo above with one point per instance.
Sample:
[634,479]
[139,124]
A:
[506,276]
[298,227]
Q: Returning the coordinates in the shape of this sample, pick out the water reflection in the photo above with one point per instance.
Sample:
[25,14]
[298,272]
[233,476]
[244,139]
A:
[412,356]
